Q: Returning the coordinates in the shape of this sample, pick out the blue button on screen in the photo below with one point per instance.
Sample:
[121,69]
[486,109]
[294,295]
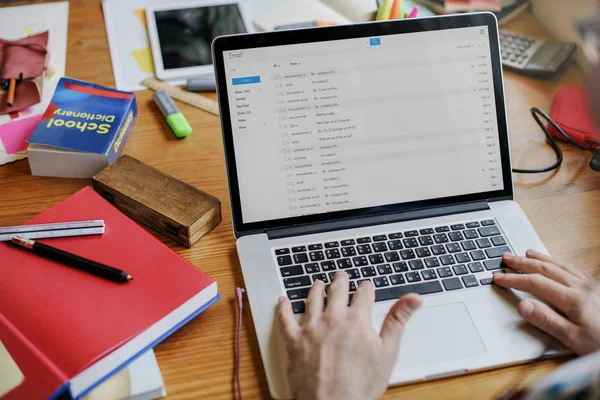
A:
[245,80]
[374,41]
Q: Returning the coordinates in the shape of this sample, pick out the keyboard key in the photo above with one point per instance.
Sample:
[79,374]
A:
[297,293]
[300,258]
[462,257]
[496,263]
[396,235]
[396,292]
[298,307]
[400,266]
[470,234]
[442,229]
[348,251]
[316,256]
[457,227]
[468,245]
[298,249]
[488,222]
[368,271]
[483,243]
[453,247]
[364,248]
[292,271]
[320,277]
[375,259]
[416,264]
[410,242]
[431,262]
[425,240]
[428,274]
[489,231]
[312,268]
[279,252]
[456,236]
[381,281]
[358,282]
[391,256]
[315,246]
[407,254]
[347,242]
[477,255]
[497,251]
[473,224]
[330,265]
[475,267]
[444,272]
[438,249]
[379,238]
[427,231]
[470,281]
[486,281]
[379,247]
[447,260]
[343,263]
[452,284]
[384,269]
[498,241]
[353,273]
[395,245]
[352,286]
[363,240]
[332,253]
[329,245]
[413,277]
[397,279]
[460,269]
[422,252]
[500,271]
[284,260]
[411,233]
[296,281]
[440,238]
[360,261]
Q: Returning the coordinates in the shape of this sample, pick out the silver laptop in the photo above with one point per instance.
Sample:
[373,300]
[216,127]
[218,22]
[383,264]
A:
[379,149]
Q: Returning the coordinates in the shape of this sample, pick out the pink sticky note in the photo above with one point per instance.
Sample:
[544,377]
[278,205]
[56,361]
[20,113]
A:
[14,134]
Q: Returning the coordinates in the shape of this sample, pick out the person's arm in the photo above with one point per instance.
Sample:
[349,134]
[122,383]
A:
[334,352]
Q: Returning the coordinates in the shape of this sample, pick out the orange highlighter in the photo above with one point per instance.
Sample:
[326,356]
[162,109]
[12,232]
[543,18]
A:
[309,24]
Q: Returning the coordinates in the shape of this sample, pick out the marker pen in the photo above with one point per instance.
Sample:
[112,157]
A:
[179,125]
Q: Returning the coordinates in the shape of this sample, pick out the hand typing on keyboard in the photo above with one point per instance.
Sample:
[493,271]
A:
[572,312]
[334,352]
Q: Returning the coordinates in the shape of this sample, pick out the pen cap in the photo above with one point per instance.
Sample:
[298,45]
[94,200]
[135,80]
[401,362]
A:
[179,125]
[165,103]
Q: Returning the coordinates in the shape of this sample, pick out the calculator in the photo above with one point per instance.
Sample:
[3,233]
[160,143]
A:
[534,57]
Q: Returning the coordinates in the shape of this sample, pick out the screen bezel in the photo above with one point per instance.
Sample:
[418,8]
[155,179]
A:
[297,36]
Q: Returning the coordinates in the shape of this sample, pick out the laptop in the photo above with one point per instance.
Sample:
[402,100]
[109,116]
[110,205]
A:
[379,149]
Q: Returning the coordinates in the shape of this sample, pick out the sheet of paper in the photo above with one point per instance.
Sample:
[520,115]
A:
[11,375]
[14,135]
[354,10]
[296,11]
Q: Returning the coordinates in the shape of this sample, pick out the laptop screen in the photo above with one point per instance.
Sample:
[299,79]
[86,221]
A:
[355,123]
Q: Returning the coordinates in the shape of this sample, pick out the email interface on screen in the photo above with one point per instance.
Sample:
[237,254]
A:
[348,124]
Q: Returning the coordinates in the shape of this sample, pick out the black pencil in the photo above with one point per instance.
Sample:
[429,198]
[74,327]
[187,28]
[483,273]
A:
[73,260]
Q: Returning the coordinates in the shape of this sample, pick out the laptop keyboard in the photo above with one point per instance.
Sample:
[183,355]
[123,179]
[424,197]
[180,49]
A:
[425,261]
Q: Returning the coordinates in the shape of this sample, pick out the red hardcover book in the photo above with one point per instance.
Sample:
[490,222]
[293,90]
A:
[68,330]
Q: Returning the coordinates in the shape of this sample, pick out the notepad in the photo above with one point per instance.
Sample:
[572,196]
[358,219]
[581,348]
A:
[11,375]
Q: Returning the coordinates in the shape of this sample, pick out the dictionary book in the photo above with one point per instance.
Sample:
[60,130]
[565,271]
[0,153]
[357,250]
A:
[83,130]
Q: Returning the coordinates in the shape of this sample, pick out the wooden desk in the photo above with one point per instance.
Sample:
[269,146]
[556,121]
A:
[198,361]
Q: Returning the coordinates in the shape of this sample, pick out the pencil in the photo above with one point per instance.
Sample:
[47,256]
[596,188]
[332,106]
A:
[73,260]
[10,98]
[396,12]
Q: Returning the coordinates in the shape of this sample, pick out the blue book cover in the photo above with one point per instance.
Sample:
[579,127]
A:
[87,118]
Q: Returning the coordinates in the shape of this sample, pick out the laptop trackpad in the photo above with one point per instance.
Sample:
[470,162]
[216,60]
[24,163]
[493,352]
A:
[438,334]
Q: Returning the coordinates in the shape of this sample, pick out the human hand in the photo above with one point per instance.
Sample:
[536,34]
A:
[335,353]
[572,312]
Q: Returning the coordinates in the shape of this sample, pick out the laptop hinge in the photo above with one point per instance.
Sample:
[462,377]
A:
[376,220]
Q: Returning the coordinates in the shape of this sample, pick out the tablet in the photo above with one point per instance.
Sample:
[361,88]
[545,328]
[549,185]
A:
[181,34]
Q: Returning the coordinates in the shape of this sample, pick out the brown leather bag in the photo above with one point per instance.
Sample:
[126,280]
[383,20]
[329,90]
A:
[25,61]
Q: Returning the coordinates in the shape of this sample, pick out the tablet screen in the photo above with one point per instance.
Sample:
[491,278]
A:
[185,34]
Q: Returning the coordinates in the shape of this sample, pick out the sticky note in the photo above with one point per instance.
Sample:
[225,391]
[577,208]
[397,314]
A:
[14,134]
[144,59]
[11,375]
[141,14]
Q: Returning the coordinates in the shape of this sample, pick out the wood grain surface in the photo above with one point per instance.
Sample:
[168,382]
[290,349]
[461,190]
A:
[198,360]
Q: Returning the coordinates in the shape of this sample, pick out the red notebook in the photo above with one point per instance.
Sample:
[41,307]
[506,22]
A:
[67,330]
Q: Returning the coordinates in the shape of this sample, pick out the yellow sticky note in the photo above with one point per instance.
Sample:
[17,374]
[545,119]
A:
[141,14]
[144,59]
[11,375]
